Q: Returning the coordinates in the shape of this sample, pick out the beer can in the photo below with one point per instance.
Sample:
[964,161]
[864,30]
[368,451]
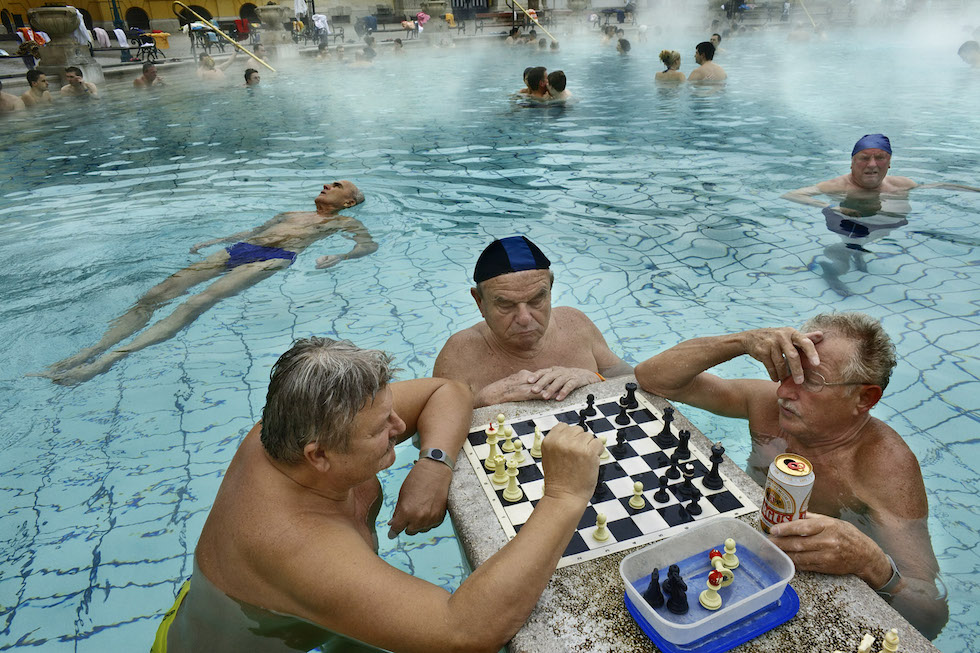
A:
[788,489]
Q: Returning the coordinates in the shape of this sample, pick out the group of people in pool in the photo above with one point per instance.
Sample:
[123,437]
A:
[38,94]
[542,86]
[704,54]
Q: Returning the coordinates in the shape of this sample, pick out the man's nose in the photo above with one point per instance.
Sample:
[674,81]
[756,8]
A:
[788,389]
[523,315]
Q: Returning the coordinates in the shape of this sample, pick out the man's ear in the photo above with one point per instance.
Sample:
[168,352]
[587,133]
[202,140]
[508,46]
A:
[316,456]
[868,396]
[475,294]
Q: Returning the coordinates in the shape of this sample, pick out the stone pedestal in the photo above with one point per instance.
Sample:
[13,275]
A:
[63,51]
[274,36]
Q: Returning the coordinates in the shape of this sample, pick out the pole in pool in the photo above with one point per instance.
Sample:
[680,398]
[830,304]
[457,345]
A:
[178,3]
[535,20]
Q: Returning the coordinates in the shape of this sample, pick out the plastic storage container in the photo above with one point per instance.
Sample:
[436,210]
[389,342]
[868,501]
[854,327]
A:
[760,579]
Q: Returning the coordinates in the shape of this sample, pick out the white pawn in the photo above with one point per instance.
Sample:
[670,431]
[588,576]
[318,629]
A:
[536,447]
[890,643]
[601,533]
[489,463]
[499,471]
[710,598]
[513,491]
[729,558]
[508,444]
[637,502]
[500,422]
[605,452]
[866,642]
[519,456]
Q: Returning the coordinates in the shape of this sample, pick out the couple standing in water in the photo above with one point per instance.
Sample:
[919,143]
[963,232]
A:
[542,86]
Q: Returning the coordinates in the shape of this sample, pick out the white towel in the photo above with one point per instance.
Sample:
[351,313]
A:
[102,37]
[321,22]
[81,34]
[121,37]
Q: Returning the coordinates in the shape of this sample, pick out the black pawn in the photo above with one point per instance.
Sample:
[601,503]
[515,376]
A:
[590,406]
[677,603]
[600,489]
[653,595]
[622,419]
[693,508]
[631,401]
[713,480]
[581,420]
[661,495]
[620,441]
[665,438]
[687,488]
[674,472]
[684,449]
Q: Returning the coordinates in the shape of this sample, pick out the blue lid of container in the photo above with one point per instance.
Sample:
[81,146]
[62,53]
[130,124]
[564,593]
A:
[727,638]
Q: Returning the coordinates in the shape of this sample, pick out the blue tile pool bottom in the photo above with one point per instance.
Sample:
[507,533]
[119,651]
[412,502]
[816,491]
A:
[660,210]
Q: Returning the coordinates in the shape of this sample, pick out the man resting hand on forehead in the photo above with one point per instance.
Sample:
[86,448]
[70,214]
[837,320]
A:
[523,349]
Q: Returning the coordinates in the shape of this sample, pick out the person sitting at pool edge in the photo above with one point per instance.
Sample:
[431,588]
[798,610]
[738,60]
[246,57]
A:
[38,92]
[868,508]
[149,77]
[287,559]
[707,70]
[256,255]
[522,350]
[870,160]
[76,86]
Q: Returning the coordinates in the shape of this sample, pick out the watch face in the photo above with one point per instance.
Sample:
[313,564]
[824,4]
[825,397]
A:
[437,454]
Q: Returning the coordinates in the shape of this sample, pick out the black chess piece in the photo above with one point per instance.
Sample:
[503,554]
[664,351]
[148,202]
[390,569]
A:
[687,488]
[694,508]
[631,401]
[620,441]
[600,488]
[581,420]
[677,603]
[590,406]
[622,419]
[653,595]
[713,480]
[674,471]
[665,439]
[684,448]
[672,572]
[661,495]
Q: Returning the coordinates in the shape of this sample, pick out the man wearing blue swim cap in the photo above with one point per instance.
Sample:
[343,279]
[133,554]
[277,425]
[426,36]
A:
[522,349]
[870,160]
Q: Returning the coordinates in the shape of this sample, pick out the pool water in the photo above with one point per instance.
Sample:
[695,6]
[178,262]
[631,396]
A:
[659,208]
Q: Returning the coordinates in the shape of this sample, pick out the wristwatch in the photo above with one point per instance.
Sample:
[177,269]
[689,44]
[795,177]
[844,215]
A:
[438,455]
[888,589]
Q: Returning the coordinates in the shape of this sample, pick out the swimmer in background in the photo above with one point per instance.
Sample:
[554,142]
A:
[715,40]
[708,70]
[527,87]
[252,77]
[537,83]
[255,255]
[210,72]
[623,46]
[340,54]
[970,53]
[514,38]
[554,47]
[9,103]
[76,86]
[556,86]
[322,53]
[671,59]
[38,92]
[149,77]
[398,47]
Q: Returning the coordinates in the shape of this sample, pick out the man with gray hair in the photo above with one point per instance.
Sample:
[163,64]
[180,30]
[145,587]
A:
[287,559]
[869,509]
[255,255]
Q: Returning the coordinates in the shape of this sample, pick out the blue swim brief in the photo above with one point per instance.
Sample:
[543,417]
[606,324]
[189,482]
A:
[242,253]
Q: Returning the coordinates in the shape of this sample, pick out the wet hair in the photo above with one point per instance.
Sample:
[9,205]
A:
[74,69]
[624,45]
[316,390]
[533,34]
[249,72]
[322,48]
[147,65]
[398,42]
[970,47]
[874,353]
[526,71]
[706,50]
[557,80]
[513,31]
[542,43]
[554,45]
[534,77]
[718,35]
[670,57]
[33,75]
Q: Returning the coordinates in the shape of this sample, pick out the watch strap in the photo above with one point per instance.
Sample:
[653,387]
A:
[888,589]
[438,455]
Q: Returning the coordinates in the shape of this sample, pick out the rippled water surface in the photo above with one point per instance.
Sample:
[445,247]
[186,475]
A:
[658,206]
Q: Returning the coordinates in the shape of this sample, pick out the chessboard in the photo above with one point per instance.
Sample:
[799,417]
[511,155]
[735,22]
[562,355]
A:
[632,434]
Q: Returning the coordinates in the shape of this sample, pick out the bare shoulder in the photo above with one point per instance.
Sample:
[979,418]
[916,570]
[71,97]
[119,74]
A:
[568,318]
[835,185]
[461,350]
[899,183]
[890,474]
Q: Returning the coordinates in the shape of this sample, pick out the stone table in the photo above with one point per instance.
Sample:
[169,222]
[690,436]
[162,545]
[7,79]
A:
[582,608]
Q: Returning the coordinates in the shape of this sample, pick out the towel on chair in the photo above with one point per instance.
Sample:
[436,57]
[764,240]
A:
[121,37]
[102,37]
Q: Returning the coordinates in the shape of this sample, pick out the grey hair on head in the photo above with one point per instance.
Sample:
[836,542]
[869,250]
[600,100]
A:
[316,390]
[874,353]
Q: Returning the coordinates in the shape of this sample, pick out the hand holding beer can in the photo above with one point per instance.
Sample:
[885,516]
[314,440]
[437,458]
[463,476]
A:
[788,489]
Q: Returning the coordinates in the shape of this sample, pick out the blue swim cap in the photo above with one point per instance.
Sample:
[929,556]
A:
[869,141]
[511,254]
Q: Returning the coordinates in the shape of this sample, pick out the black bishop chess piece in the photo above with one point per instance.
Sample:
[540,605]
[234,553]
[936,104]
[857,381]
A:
[677,603]
[713,480]
[665,439]
[590,410]
[684,448]
[630,398]
[653,595]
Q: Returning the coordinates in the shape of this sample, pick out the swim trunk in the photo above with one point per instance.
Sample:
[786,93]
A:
[242,253]
[160,642]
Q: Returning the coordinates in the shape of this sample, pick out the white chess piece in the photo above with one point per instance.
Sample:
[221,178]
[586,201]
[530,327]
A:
[489,463]
[519,456]
[637,502]
[605,452]
[866,643]
[536,447]
[513,491]
[508,444]
[710,598]
[890,643]
[729,557]
[500,471]
[719,565]
[601,533]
